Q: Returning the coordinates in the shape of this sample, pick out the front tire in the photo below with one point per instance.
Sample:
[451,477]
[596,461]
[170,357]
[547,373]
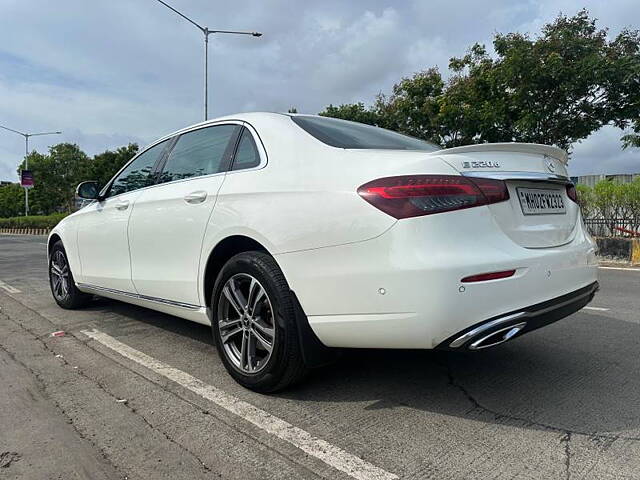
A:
[63,286]
[254,324]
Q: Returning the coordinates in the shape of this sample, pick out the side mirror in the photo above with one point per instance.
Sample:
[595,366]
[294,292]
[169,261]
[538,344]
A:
[88,190]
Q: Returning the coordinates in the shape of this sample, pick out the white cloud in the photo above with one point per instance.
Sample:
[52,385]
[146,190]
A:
[111,72]
[602,153]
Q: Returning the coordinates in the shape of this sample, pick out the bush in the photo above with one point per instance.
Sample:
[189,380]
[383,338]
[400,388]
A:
[34,221]
[612,202]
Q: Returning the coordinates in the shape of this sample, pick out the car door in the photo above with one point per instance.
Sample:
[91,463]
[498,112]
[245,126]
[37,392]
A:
[168,221]
[103,243]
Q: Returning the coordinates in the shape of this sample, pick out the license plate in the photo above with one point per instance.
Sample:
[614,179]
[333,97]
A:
[541,201]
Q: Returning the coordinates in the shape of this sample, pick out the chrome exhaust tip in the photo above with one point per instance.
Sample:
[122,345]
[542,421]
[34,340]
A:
[476,332]
[503,328]
[496,338]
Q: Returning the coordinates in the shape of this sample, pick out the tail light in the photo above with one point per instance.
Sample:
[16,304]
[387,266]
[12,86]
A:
[417,195]
[571,192]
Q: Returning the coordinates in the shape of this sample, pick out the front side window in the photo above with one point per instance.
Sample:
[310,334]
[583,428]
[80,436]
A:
[199,152]
[138,173]
[345,134]
[247,155]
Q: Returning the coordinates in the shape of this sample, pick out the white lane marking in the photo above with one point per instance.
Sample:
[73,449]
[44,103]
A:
[624,269]
[8,288]
[328,453]
[598,309]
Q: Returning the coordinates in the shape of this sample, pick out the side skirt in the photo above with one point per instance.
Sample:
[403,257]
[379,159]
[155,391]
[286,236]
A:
[195,313]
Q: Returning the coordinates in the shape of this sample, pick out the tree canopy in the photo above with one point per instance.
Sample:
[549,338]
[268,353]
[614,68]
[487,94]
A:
[56,175]
[556,89]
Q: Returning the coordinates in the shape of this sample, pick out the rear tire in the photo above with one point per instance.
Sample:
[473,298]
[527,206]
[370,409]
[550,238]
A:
[254,324]
[63,286]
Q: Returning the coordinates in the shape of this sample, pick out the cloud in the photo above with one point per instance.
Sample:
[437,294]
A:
[106,73]
[602,153]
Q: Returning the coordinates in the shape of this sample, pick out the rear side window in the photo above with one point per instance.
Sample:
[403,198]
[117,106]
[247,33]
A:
[345,134]
[199,152]
[138,173]
[247,155]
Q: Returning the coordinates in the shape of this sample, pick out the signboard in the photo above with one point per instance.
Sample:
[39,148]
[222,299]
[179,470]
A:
[26,179]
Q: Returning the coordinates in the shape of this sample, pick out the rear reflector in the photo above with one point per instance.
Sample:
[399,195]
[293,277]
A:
[483,277]
[417,195]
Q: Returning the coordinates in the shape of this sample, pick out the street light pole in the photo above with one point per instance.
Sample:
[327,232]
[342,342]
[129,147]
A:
[207,32]
[26,158]
[206,73]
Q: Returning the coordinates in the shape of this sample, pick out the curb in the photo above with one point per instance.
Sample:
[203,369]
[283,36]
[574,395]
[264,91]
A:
[635,251]
[25,231]
[619,248]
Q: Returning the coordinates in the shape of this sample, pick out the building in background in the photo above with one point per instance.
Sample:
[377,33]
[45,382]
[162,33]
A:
[591,180]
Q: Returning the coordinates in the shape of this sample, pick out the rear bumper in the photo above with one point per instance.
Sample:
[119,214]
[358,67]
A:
[502,328]
[403,289]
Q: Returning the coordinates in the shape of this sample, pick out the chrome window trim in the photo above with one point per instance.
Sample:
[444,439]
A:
[261,151]
[264,160]
[256,138]
[524,176]
[228,121]
[96,289]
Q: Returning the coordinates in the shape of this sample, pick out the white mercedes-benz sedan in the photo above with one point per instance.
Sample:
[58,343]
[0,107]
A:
[295,235]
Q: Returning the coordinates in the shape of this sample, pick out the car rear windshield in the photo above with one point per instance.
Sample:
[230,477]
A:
[345,134]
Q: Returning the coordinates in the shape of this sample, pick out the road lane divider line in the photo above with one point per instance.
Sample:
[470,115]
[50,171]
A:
[597,309]
[624,269]
[330,454]
[8,288]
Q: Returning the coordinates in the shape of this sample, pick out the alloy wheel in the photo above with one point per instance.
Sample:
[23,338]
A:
[246,323]
[59,274]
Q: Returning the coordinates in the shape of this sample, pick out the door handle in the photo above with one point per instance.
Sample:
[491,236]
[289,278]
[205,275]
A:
[196,197]
[122,205]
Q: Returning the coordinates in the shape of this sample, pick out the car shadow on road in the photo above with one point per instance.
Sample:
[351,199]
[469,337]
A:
[135,315]
[577,375]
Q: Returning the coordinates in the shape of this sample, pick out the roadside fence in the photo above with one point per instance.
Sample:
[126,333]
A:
[613,227]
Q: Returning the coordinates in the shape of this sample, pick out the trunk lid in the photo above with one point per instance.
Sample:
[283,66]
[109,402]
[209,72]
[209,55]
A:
[539,214]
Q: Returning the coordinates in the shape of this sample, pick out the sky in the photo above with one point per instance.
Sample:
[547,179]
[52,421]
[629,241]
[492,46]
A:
[110,73]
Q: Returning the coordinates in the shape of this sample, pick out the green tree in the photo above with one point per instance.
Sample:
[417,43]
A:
[105,165]
[56,176]
[609,202]
[414,106]
[630,198]
[555,89]
[11,200]
[356,112]
[586,200]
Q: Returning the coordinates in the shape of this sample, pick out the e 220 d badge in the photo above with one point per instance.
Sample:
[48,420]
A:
[480,164]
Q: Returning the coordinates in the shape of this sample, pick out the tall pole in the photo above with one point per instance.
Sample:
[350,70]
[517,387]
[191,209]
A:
[26,157]
[206,73]
[26,167]
[207,32]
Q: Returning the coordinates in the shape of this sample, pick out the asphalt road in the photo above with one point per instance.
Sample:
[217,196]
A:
[151,400]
